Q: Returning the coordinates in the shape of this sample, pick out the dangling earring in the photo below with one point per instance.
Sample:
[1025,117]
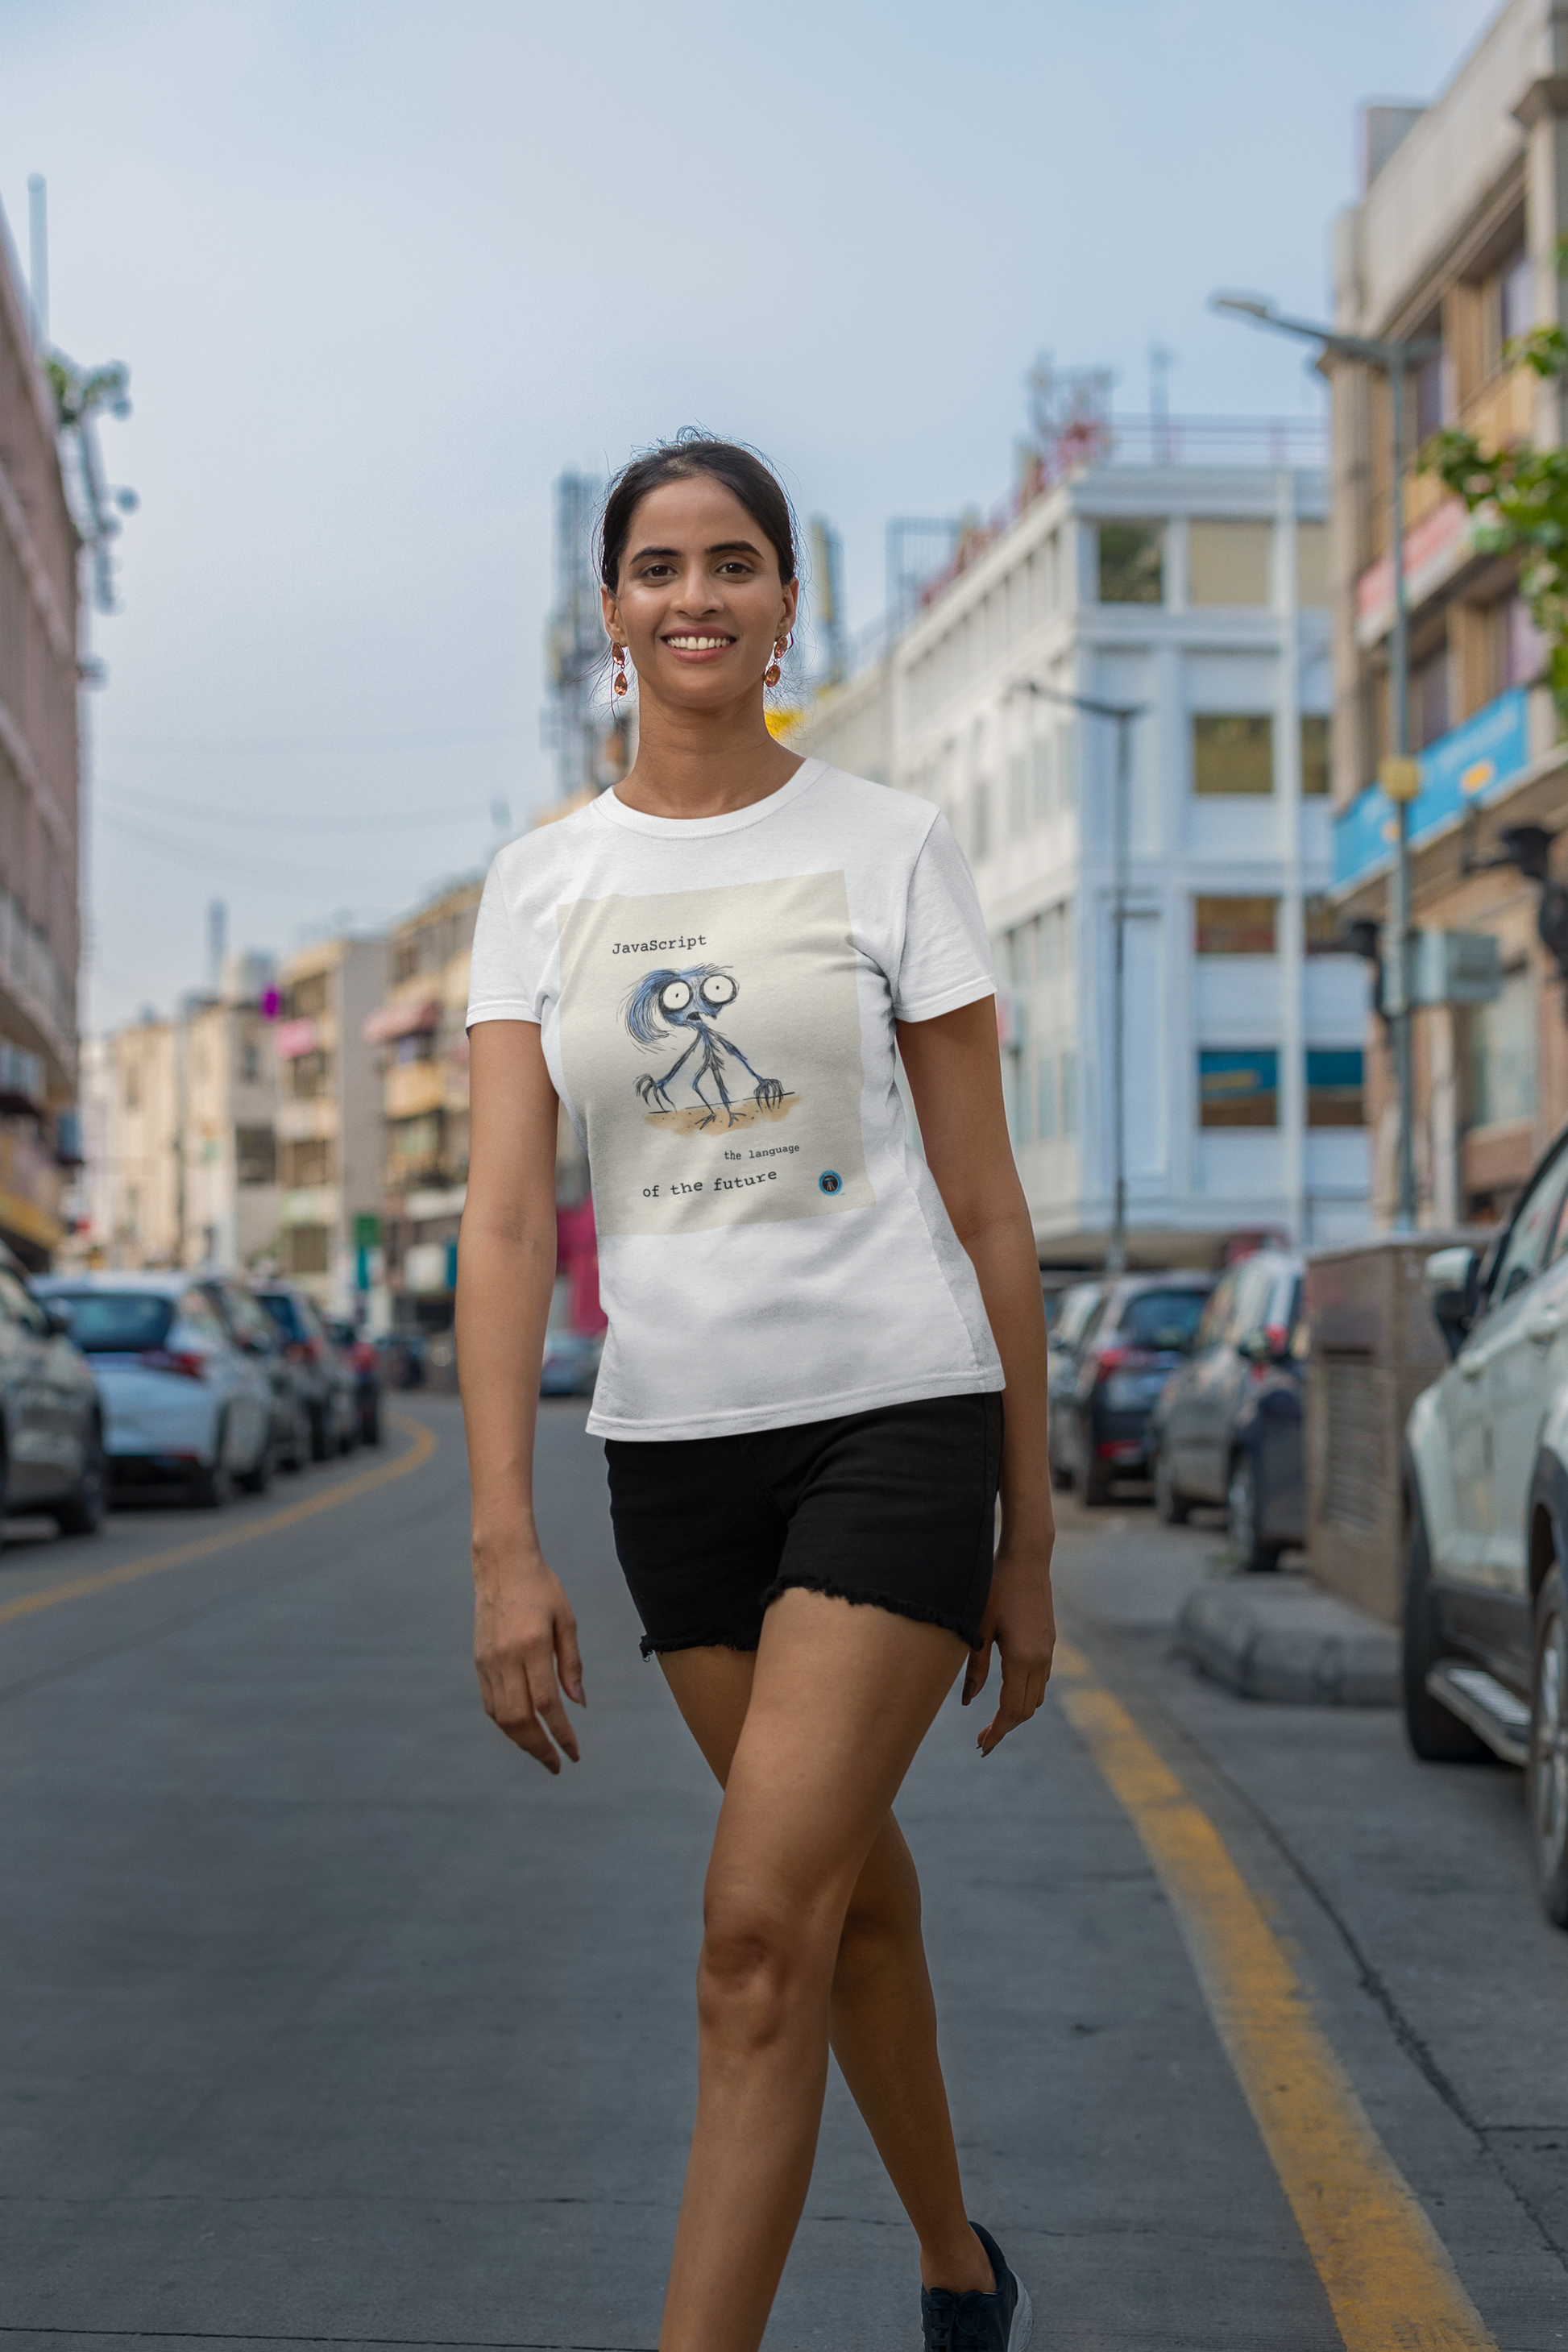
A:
[771,675]
[618,656]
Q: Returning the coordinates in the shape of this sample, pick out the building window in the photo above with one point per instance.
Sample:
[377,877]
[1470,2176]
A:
[1429,698]
[1046,1098]
[1429,387]
[1524,649]
[981,835]
[1233,753]
[1238,1088]
[305,1249]
[1312,564]
[1515,299]
[1018,793]
[1500,1057]
[1235,926]
[255,1155]
[1040,757]
[306,998]
[1314,757]
[1069,1094]
[1227,563]
[1320,931]
[1131,564]
[1335,1083]
[307,1076]
[249,1062]
[307,1163]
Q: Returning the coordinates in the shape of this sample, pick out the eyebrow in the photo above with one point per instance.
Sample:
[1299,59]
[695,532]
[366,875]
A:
[723,547]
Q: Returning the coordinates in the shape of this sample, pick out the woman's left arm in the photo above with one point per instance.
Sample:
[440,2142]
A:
[954,1069]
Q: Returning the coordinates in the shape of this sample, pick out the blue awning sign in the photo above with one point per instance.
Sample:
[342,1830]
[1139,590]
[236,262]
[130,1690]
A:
[1466,768]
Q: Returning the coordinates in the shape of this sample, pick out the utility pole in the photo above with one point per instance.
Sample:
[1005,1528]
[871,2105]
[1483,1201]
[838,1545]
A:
[1123,714]
[1398,773]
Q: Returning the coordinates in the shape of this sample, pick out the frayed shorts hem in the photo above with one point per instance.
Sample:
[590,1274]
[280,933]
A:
[746,1645]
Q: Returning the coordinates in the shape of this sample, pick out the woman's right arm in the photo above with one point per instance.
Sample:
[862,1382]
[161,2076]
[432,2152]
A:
[524,1632]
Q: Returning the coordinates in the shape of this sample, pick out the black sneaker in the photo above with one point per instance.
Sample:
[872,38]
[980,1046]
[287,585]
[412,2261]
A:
[1001,2321]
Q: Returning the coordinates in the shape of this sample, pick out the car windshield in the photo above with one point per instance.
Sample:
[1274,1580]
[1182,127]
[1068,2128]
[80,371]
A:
[1164,1320]
[116,1322]
[1078,1304]
[281,1309]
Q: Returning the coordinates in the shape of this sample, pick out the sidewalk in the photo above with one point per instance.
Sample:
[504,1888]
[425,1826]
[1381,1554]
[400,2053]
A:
[1278,1637]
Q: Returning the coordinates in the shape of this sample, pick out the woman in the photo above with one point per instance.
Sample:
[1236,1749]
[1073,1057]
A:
[809,1334]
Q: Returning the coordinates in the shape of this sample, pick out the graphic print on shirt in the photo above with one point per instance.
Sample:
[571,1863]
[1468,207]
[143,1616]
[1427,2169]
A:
[711,1047]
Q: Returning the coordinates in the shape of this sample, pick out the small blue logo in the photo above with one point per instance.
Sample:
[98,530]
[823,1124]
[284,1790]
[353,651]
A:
[830,1181]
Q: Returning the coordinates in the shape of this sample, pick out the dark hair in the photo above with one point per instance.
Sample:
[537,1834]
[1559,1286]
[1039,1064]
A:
[740,469]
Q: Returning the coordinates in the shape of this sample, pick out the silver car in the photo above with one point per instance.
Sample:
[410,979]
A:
[51,1420]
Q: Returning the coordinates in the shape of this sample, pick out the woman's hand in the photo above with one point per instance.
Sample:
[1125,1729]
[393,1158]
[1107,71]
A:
[524,1635]
[1020,1619]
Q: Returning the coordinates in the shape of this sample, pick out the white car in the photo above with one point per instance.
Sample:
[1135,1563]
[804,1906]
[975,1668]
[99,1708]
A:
[182,1402]
[1486,1493]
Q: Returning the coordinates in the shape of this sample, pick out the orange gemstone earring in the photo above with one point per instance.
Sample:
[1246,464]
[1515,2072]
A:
[772,674]
[618,656]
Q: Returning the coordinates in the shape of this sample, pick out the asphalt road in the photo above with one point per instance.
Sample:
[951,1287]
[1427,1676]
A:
[324,2017]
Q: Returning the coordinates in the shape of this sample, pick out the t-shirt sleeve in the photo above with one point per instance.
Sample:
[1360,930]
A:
[946,960]
[500,988]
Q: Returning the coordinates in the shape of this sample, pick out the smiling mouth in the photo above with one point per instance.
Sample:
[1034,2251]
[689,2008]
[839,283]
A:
[695,644]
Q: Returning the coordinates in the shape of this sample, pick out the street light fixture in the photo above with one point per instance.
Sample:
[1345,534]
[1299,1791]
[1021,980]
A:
[1398,774]
[1123,713]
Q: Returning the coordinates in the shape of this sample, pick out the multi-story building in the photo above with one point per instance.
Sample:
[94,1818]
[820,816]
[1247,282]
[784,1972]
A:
[421,1030]
[1186,577]
[329,1115]
[1455,241]
[39,816]
[180,1118]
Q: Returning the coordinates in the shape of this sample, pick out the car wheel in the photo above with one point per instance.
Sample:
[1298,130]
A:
[1092,1479]
[1254,1556]
[213,1485]
[1546,1774]
[319,1448]
[81,1513]
[298,1451]
[370,1422]
[258,1477]
[1170,1504]
[1435,1735]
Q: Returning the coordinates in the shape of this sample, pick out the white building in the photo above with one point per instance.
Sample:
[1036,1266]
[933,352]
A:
[1198,590]
[329,1116]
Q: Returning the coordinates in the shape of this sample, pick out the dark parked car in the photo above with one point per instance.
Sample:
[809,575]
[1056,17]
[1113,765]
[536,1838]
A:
[1228,1428]
[362,1359]
[1073,1308]
[1135,1336]
[334,1422]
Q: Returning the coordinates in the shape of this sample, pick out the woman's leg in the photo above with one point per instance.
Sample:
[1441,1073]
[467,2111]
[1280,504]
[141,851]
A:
[840,1698]
[883,2017]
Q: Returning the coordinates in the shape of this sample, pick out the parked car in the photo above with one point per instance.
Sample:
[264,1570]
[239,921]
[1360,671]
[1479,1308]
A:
[1227,1426]
[363,1360]
[1137,1334]
[252,1329]
[329,1384]
[51,1432]
[1064,1329]
[1485,1475]
[181,1402]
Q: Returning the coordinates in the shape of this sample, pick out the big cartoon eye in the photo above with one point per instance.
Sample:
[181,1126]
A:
[674,997]
[718,989]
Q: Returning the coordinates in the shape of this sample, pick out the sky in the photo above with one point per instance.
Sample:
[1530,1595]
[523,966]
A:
[380,269]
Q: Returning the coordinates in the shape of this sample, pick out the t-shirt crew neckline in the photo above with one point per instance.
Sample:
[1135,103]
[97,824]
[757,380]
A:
[610,806]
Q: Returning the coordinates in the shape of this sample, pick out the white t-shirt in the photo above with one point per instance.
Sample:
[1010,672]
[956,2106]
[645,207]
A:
[717,998]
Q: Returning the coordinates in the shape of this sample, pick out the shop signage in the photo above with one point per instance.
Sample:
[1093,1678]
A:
[1467,768]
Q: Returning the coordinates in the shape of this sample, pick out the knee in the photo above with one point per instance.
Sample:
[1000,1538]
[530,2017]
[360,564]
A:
[756,1967]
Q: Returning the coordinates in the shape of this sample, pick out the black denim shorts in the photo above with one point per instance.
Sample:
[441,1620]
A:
[895,1507]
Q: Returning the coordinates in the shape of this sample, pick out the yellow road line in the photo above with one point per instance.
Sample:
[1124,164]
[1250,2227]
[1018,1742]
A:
[1387,2275]
[77,1588]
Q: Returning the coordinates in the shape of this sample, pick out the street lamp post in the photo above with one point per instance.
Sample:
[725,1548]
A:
[1123,714]
[1399,775]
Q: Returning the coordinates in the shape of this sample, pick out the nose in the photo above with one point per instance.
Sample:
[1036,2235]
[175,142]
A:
[696,593]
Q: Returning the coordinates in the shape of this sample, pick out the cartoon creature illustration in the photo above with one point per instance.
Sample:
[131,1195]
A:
[666,1002]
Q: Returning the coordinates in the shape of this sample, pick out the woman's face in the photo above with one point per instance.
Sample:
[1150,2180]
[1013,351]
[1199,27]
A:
[699,601]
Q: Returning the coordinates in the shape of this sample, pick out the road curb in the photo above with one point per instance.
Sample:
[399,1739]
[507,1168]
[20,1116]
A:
[1280,1638]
